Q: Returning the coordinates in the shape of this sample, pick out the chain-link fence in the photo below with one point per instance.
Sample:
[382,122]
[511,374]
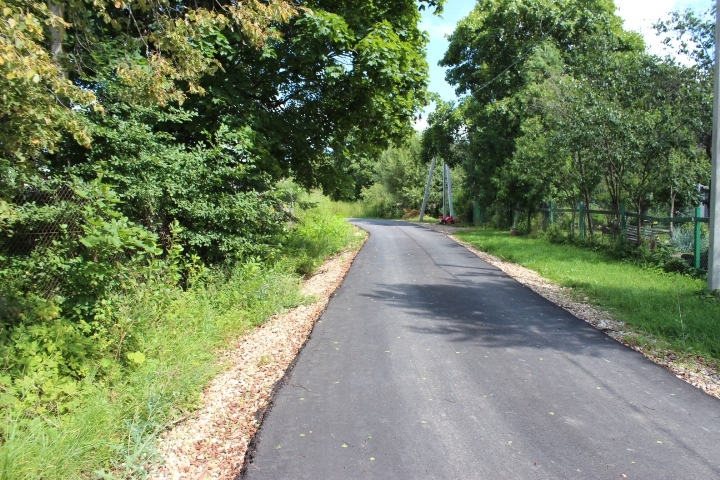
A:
[42,219]
[49,234]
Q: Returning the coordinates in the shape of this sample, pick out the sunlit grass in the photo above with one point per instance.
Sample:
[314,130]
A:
[352,209]
[651,301]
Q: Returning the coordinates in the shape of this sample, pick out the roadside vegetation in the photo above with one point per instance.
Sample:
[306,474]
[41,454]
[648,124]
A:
[565,105]
[154,371]
[669,307]
[398,177]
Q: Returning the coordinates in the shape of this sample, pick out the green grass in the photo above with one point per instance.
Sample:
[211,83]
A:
[115,428]
[112,433]
[352,209]
[664,305]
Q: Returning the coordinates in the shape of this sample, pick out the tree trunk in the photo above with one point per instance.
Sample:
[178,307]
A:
[56,36]
[672,210]
[586,194]
[529,227]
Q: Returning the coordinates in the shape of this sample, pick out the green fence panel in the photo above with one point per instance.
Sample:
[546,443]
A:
[697,238]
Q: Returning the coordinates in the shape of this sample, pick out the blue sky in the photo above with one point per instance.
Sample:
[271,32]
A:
[639,15]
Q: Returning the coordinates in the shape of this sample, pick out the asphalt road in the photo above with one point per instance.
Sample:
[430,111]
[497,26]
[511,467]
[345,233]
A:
[430,363]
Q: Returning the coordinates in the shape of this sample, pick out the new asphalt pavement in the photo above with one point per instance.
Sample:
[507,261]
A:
[430,363]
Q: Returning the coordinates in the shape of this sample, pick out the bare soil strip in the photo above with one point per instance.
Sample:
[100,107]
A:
[211,443]
[696,371]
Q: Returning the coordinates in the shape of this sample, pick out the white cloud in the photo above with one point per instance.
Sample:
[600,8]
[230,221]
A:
[640,15]
[437,30]
[421,124]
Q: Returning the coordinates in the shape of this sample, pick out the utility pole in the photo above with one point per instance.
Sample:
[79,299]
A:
[450,198]
[427,188]
[445,187]
[714,253]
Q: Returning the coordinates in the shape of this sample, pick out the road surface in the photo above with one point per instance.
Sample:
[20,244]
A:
[430,363]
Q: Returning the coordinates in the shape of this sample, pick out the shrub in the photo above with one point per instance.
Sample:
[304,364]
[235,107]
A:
[555,234]
[317,234]
[379,203]
[65,251]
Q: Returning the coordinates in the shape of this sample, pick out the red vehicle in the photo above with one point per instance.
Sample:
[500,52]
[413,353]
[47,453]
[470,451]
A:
[446,220]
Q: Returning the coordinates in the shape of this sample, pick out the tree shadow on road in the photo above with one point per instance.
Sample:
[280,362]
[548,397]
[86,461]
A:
[497,313]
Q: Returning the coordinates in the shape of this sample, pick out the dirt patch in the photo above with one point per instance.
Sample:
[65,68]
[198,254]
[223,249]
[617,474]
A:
[211,443]
[697,371]
[408,214]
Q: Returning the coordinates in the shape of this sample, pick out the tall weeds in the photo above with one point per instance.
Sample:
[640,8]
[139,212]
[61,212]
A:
[171,352]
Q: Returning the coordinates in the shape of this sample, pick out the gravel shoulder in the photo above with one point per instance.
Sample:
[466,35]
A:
[694,370]
[211,442]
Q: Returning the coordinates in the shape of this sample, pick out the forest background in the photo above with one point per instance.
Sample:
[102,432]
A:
[558,103]
[157,160]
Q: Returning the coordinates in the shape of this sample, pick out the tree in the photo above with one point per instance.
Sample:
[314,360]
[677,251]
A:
[488,60]
[253,91]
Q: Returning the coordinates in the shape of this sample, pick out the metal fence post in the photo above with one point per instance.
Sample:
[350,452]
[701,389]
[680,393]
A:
[698,213]
[623,217]
[552,213]
[581,220]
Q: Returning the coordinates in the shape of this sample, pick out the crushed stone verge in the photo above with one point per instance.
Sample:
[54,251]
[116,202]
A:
[696,371]
[211,442]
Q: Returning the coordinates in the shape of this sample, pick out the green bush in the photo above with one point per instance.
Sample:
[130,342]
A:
[56,325]
[227,205]
[99,397]
[170,355]
[379,203]
[317,234]
[555,233]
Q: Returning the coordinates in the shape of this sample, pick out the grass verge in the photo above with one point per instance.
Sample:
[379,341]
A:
[666,306]
[111,434]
